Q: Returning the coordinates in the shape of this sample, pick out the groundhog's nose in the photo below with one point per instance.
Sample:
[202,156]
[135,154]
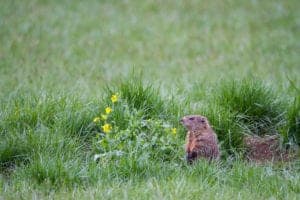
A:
[181,120]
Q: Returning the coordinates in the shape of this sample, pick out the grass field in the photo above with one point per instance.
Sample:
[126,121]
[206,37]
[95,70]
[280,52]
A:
[236,62]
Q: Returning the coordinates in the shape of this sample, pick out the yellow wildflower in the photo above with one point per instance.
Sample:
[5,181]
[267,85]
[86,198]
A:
[106,128]
[114,98]
[104,117]
[108,110]
[174,131]
[96,119]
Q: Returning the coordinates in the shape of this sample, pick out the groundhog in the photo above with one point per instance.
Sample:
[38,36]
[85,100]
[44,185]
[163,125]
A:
[201,140]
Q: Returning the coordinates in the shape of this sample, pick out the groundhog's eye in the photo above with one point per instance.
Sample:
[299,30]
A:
[192,118]
[202,121]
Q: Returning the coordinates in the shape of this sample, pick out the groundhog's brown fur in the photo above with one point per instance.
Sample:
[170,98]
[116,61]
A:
[201,140]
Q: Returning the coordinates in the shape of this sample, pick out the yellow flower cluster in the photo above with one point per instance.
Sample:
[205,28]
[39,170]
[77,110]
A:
[174,131]
[108,110]
[107,127]
[114,98]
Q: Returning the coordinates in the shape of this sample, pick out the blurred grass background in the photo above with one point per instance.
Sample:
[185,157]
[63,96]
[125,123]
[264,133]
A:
[80,46]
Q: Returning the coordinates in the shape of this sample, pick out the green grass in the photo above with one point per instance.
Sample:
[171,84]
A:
[60,61]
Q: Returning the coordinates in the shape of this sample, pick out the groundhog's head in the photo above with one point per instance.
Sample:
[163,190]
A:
[195,122]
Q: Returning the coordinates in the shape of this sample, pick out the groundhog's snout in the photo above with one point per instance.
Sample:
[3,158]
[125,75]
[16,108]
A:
[191,156]
[181,120]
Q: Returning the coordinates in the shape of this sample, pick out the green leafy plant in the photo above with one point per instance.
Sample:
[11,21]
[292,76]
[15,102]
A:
[132,126]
